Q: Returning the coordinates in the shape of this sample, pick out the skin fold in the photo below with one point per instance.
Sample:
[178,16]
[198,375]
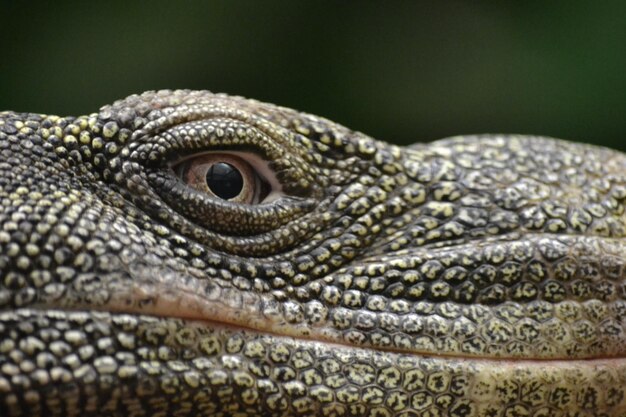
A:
[472,276]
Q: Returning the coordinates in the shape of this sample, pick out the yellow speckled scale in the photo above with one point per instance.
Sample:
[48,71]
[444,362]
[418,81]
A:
[474,276]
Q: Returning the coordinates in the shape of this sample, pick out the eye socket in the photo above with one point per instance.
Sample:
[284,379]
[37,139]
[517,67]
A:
[225,177]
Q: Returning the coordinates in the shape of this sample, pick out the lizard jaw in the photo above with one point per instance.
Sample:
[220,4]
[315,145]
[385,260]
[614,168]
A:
[218,307]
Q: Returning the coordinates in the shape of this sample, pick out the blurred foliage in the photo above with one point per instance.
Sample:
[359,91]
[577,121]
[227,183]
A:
[399,71]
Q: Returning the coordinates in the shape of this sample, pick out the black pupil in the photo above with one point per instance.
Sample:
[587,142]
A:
[224,180]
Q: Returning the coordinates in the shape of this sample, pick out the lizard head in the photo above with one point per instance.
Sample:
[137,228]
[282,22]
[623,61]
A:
[244,215]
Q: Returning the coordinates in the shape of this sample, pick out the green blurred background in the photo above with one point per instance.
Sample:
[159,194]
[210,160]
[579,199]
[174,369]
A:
[399,71]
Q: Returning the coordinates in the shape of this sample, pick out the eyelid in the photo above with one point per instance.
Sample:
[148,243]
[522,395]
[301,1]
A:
[257,163]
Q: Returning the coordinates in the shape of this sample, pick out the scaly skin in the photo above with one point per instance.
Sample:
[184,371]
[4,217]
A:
[474,276]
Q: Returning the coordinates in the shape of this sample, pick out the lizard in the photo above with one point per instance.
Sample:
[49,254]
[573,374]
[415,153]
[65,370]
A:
[185,253]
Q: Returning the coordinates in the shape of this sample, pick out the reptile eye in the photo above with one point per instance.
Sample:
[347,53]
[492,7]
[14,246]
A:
[224,176]
[224,180]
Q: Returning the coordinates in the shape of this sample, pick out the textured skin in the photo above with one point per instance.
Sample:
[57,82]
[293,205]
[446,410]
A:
[474,276]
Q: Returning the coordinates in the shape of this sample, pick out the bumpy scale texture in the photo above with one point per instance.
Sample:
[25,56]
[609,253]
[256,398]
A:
[474,276]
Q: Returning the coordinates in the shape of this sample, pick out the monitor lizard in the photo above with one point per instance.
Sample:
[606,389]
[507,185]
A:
[184,253]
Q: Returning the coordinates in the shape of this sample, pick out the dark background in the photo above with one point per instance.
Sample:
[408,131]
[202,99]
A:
[399,71]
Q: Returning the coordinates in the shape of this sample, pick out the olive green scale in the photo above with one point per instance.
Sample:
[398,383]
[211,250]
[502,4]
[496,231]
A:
[473,276]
